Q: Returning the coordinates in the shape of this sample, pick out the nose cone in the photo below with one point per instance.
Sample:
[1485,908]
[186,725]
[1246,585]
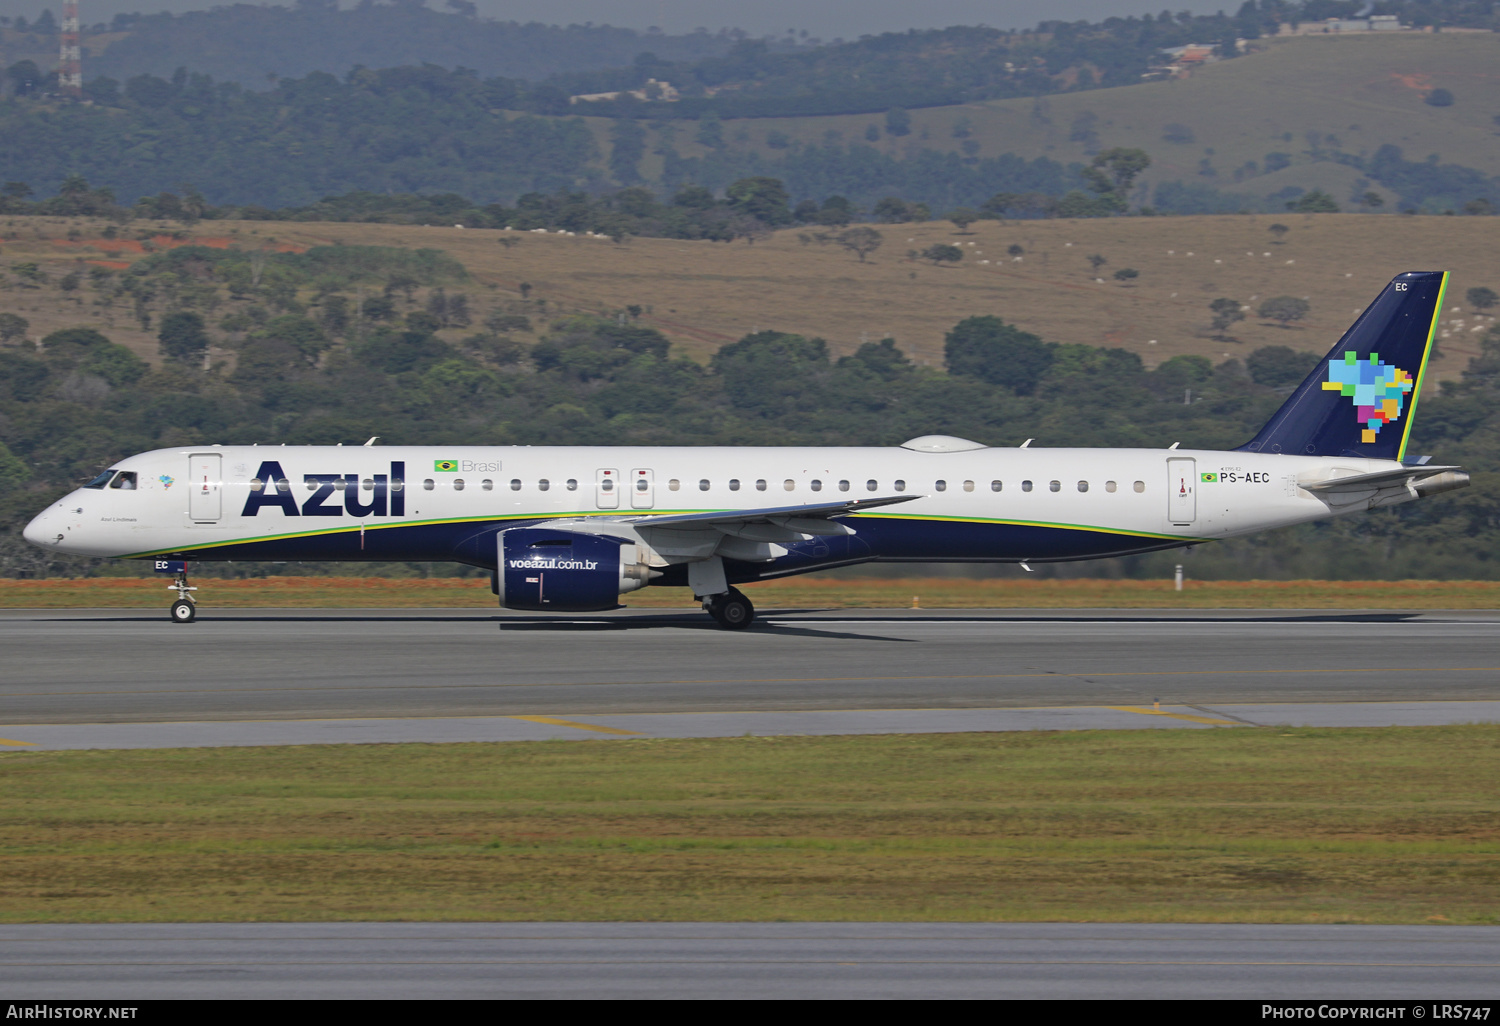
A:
[37,531]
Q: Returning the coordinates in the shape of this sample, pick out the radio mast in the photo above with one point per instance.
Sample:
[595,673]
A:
[70,69]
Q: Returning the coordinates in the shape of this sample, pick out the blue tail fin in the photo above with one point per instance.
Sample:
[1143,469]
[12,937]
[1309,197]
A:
[1361,399]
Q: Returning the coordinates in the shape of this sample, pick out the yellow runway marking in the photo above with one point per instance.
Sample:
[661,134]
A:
[555,722]
[17,744]
[1176,716]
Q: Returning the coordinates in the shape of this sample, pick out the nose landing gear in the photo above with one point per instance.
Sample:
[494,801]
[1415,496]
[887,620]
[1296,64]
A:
[183,609]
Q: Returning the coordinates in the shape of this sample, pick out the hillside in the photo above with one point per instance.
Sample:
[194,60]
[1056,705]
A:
[247,43]
[703,294]
[1343,114]
[1313,98]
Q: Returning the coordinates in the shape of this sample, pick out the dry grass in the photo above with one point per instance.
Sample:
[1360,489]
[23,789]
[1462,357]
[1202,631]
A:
[1395,825]
[802,592]
[703,294]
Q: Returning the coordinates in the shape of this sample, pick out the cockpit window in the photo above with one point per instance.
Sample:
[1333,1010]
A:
[101,480]
[124,481]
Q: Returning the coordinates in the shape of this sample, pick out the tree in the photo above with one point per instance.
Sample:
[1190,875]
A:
[1114,171]
[380,308]
[1279,366]
[1126,274]
[1438,98]
[1283,309]
[836,212]
[1315,202]
[14,326]
[861,241]
[710,131]
[1372,201]
[25,77]
[1480,298]
[1096,261]
[182,337]
[296,331]
[963,217]
[1278,230]
[1226,312]
[1015,249]
[942,253]
[893,210]
[897,122]
[762,198]
[1002,354]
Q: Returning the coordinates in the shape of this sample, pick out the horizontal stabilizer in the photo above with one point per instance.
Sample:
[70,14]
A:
[1386,487]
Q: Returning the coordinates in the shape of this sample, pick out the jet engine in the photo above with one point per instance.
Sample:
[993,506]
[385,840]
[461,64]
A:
[544,568]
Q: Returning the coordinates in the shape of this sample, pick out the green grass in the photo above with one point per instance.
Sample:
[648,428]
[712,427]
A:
[1231,825]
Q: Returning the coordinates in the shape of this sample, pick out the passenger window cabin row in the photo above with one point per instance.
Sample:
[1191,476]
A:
[790,485]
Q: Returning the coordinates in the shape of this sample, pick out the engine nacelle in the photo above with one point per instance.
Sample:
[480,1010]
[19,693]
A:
[544,568]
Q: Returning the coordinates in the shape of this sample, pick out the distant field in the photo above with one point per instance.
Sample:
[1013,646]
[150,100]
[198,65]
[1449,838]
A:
[703,294]
[1268,825]
[805,592]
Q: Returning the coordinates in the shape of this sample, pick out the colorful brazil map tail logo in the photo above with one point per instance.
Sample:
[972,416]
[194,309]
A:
[1377,390]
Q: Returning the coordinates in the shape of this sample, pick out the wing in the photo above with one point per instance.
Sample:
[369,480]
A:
[779,523]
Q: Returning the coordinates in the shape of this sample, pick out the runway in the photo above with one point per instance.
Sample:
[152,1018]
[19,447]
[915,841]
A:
[100,667]
[123,962]
[111,679]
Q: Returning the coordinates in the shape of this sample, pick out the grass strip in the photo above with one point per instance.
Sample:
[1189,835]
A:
[801,592]
[1396,825]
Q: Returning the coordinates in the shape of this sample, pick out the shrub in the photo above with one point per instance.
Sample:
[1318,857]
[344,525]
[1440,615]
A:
[1284,309]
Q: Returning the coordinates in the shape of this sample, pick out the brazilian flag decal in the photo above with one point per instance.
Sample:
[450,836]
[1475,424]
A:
[1210,478]
[445,466]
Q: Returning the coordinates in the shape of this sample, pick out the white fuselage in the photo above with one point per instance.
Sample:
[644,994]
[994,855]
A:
[400,502]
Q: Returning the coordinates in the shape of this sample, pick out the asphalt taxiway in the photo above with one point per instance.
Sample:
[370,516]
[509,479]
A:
[123,962]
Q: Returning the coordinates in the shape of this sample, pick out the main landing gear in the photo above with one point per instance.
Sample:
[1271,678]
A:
[183,610]
[731,609]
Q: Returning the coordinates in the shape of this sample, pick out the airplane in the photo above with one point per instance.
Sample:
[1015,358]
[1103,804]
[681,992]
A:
[572,529]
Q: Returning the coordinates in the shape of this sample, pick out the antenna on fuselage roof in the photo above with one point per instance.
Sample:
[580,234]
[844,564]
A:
[372,441]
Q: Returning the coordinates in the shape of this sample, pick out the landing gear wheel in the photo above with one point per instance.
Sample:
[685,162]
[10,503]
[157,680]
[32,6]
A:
[183,611]
[732,610]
